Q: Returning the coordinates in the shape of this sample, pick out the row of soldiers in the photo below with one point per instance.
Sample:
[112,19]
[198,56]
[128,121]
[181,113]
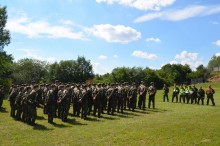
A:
[189,94]
[56,99]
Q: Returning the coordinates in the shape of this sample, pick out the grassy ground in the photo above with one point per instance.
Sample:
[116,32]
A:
[169,124]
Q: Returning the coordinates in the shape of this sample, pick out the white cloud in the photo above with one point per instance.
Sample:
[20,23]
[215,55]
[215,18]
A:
[144,55]
[24,26]
[115,56]
[217,43]
[181,14]
[173,62]
[31,53]
[217,54]
[115,34]
[103,57]
[192,59]
[98,68]
[157,40]
[141,4]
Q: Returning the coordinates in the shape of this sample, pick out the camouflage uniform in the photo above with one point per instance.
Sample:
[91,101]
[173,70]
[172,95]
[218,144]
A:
[111,100]
[210,92]
[165,93]
[142,91]
[132,97]
[152,92]
[12,98]
[201,95]
[50,103]
[97,95]
[32,103]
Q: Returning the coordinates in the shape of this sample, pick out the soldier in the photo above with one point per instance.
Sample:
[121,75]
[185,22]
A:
[32,105]
[187,97]
[182,94]
[97,95]
[90,98]
[24,103]
[59,101]
[152,92]
[194,95]
[165,93]
[175,93]
[84,101]
[50,103]
[45,90]
[12,97]
[142,91]
[120,98]
[1,96]
[18,103]
[76,102]
[191,94]
[132,97]
[126,95]
[201,95]
[111,92]
[65,103]
[103,98]
[209,93]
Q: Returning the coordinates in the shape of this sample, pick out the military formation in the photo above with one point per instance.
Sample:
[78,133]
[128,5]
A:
[189,94]
[59,99]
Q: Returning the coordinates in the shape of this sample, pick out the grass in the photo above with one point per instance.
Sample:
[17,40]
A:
[168,124]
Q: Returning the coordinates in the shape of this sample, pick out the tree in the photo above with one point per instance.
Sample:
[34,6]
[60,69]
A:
[5,70]
[77,71]
[4,34]
[214,62]
[28,70]
[5,60]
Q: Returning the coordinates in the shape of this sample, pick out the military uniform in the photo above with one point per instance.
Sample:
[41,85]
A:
[152,92]
[201,95]
[142,90]
[111,92]
[50,104]
[165,93]
[210,92]
[12,98]
[132,97]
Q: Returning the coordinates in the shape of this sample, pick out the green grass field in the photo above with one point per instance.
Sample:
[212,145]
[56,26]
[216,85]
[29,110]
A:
[168,124]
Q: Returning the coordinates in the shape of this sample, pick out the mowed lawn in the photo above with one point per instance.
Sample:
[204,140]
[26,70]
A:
[168,124]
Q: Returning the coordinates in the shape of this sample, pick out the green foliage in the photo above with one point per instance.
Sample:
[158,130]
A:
[201,72]
[4,34]
[175,73]
[28,70]
[214,62]
[79,70]
[5,70]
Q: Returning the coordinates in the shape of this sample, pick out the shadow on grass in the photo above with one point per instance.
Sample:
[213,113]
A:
[41,127]
[156,110]
[74,122]
[109,118]
[92,119]
[41,118]
[3,110]
[60,125]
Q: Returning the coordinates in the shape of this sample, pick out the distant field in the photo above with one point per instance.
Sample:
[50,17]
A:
[169,124]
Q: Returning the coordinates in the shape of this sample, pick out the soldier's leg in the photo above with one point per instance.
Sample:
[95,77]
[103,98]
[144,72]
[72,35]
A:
[207,100]
[99,111]
[149,100]
[1,102]
[153,101]
[213,102]
[140,101]
[173,97]
[202,101]
[144,103]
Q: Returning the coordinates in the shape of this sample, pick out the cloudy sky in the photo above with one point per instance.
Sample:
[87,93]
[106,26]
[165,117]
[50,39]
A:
[115,33]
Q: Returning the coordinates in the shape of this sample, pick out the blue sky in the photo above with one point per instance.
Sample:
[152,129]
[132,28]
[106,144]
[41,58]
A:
[115,33]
